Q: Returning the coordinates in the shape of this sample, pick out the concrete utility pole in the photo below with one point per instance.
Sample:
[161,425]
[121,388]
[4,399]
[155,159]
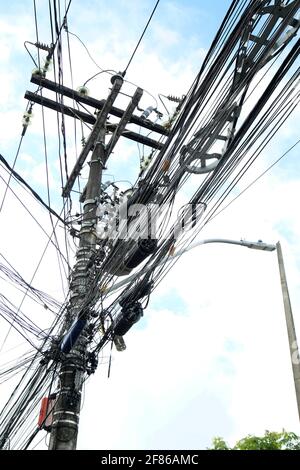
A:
[294,353]
[74,359]
[74,346]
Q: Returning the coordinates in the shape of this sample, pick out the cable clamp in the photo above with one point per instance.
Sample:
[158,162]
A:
[89,201]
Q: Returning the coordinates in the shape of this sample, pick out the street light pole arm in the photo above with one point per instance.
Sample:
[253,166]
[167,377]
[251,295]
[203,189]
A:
[294,352]
[254,245]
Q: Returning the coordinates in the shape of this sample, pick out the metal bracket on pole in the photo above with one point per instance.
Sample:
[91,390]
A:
[97,104]
[90,119]
[93,136]
[125,119]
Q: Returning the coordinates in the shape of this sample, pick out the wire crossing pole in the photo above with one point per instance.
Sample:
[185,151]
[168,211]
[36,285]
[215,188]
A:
[73,366]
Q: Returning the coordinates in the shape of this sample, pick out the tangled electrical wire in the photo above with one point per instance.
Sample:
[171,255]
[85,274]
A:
[219,108]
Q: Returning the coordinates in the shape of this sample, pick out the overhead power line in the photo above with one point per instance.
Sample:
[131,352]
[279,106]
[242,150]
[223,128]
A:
[11,171]
[212,113]
[139,41]
[35,194]
[256,179]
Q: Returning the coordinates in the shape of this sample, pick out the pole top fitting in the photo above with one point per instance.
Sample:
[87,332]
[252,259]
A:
[117,76]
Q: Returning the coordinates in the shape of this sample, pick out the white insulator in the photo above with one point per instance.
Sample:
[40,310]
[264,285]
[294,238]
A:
[38,71]
[47,65]
[146,113]
[83,90]
[146,162]
[101,231]
[26,120]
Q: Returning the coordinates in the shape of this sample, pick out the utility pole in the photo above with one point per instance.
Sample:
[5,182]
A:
[294,352]
[74,346]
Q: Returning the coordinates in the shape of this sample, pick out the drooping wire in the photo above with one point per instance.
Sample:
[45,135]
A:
[30,282]
[32,191]
[34,218]
[83,44]
[255,180]
[11,171]
[36,32]
[60,265]
[60,128]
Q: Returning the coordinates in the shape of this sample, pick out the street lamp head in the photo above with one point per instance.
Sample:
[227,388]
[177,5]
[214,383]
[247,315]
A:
[259,245]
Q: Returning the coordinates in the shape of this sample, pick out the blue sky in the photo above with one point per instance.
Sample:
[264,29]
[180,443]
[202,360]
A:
[211,357]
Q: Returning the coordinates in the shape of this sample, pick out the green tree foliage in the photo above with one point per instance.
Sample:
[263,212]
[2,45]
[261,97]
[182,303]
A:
[270,441]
